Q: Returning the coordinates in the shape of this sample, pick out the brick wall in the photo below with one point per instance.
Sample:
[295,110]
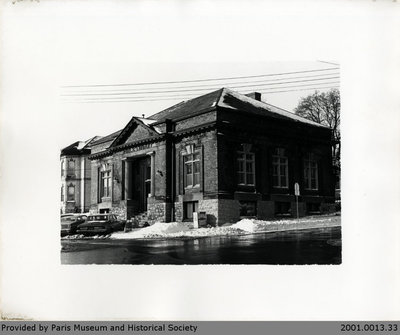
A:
[178,211]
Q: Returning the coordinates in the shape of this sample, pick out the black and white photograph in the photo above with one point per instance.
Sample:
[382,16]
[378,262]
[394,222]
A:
[219,176]
[199,160]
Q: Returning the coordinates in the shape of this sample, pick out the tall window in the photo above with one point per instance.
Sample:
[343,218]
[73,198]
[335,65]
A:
[62,167]
[62,192]
[246,165]
[310,173]
[280,170]
[71,165]
[71,193]
[106,183]
[192,168]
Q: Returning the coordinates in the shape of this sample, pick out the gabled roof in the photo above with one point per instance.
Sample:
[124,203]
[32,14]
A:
[227,98]
[188,107]
[78,148]
[107,138]
[234,100]
[132,124]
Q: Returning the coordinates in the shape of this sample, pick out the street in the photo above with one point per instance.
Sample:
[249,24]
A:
[311,246]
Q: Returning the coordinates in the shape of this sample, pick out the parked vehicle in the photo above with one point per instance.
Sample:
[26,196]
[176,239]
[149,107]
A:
[70,223]
[101,224]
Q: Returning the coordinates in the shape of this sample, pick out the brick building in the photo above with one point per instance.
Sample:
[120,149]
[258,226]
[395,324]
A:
[224,153]
[75,177]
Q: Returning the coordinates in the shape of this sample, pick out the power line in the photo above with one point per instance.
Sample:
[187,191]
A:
[195,94]
[201,80]
[200,89]
[206,85]
[182,97]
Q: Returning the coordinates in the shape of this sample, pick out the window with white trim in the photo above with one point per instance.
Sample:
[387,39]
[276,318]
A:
[246,166]
[280,169]
[62,168]
[62,192]
[310,172]
[191,167]
[105,178]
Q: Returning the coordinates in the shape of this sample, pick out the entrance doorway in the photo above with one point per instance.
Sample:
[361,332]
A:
[141,183]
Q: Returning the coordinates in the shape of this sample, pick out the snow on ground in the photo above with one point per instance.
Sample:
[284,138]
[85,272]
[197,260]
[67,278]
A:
[245,226]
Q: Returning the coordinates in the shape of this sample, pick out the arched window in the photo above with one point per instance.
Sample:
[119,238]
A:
[62,167]
[71,165]
[71,193]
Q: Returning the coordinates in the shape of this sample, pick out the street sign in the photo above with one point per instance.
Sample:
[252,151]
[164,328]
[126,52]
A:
[296,189]
[297,193]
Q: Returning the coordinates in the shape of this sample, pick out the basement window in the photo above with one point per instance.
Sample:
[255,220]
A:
[283,208]
[313,208]
[248,208]
[189,208]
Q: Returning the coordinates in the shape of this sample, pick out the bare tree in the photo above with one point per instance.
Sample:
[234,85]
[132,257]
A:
[324,108]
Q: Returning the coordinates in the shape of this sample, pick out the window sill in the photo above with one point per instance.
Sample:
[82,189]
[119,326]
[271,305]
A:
[192,187]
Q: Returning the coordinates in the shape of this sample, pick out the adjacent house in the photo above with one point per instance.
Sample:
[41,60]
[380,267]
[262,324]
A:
[75,177]
[223,153]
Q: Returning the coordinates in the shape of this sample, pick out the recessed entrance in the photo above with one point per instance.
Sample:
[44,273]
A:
[141,182]
[138,184]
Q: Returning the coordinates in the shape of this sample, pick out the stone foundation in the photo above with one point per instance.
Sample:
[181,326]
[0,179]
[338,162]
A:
[159,211]
[328,207]
[210,206]
[178,211]
[228,211]
[265,210]
[302,209]
[119,211]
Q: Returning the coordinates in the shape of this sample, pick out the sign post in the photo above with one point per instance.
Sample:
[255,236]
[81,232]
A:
[195,220]
[297,193]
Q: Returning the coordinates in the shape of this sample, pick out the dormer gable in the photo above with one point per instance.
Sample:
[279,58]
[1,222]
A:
[137,129]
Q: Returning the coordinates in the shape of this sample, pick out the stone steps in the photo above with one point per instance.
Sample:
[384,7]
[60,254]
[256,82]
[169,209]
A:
[142,219]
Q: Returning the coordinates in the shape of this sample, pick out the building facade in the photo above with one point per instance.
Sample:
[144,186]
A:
[75,177]
[226,154]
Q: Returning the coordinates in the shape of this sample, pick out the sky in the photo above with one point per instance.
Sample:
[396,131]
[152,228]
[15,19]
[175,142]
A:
[106,115]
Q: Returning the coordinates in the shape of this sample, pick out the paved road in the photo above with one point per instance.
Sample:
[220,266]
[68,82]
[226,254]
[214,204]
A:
[314,246]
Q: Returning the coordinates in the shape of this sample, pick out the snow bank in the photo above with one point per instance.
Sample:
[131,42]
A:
[245,226]
[250,226]
[159,229]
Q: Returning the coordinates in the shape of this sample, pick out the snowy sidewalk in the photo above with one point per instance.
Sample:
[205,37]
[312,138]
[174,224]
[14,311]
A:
[242,227]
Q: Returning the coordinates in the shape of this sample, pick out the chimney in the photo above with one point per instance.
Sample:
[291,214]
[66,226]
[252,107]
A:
[254,95]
